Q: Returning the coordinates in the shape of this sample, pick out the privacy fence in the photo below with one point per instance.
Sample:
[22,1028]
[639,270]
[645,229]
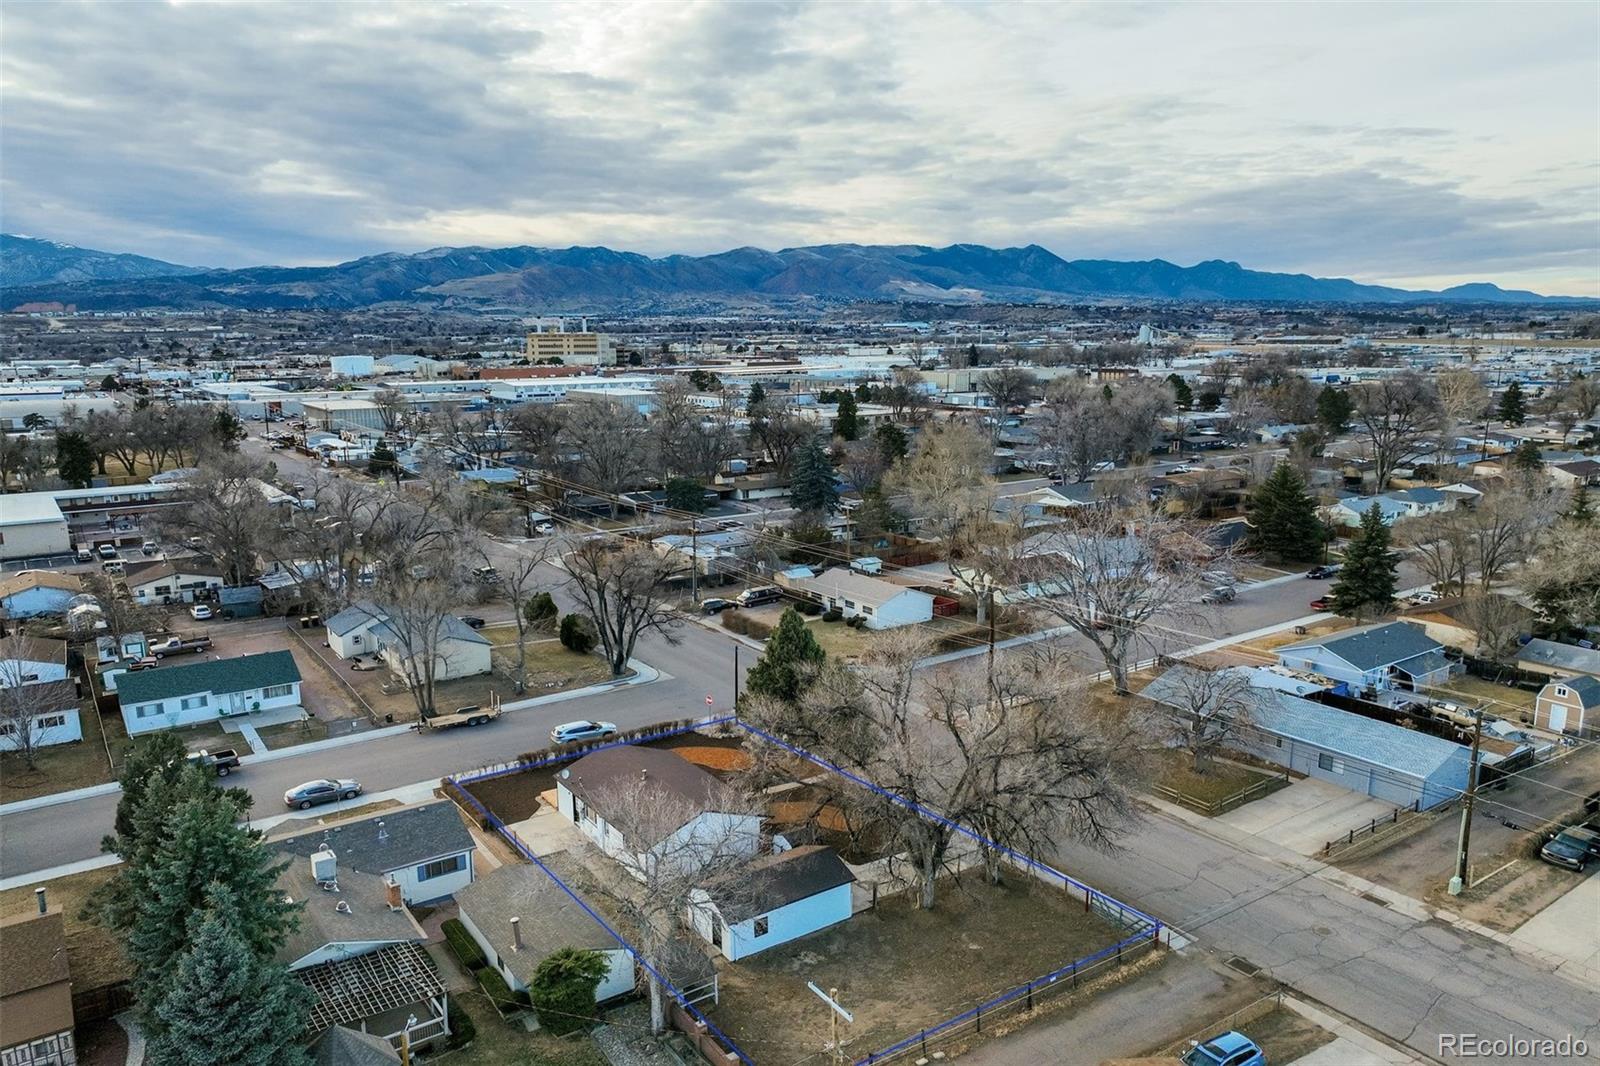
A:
[1143,932]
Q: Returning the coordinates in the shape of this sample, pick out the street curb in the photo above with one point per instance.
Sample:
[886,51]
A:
[19,806]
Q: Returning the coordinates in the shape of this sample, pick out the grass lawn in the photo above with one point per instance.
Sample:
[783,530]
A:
[60,767]
[94,954]
[1175,770]
[1284,1035]
[900,968]
[1478,690]
[289,734]
[499,1044]
[839,640]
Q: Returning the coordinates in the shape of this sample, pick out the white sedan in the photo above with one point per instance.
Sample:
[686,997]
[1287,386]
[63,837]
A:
[201,612]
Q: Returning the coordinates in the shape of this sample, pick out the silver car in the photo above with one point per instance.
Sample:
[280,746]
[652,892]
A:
[312,793]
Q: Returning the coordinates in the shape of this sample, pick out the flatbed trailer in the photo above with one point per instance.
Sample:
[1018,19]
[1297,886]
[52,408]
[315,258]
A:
[473,715]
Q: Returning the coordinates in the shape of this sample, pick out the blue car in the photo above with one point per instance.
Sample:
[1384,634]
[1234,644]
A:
[1229,1049]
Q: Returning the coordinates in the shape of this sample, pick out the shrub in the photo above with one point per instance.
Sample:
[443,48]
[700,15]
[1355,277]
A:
[563,987]
[578,634]
[466,949]
[810,608]
[462,1031]
[541,611]
[757,629]
[499,993]
[735,621]
[832,614]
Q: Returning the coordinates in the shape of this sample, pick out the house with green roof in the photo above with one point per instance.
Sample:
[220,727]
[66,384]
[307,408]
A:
[205,691]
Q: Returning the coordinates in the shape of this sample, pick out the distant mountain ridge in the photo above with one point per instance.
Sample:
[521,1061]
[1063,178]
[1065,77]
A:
[31,261]
[599,278]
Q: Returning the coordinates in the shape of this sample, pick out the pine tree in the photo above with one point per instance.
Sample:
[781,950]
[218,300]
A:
[848,424]
[204,846]
[563,987]
[757,397]
[792,651]
[1581,511]
[1513,405]
[1182,394]
[1527,457]
[892,442]
[383,460]
[227,1004]
[686,494]
[1283,517]
[813,483]
[74,459]
[1368,580]
[1334,408]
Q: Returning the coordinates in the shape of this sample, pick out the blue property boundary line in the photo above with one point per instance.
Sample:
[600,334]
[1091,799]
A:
[1151,934]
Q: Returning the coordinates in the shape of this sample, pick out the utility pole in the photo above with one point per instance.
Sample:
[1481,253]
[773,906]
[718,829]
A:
[1458,883]
[736,677]
[694,561]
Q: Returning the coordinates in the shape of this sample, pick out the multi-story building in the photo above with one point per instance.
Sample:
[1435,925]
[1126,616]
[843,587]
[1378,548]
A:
[573,349]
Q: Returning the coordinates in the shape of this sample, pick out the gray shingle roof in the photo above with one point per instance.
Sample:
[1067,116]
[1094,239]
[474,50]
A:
[340,1046]
[1561,656]
[413,835]
[353,617]
[1586,687]
[549,919]
[772,881]
[239,674]
[1369,647]
[367,919]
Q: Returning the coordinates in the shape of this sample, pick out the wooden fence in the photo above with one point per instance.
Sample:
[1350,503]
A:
[1212,808]
[96,1004]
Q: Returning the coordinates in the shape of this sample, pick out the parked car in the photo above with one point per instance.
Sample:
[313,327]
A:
[1321,603]
[326,790]
[1321,572]
[867,564]
[149,547]
[1219,594]
[715,605]
[84,555]
[148,662]
[757,596]
[1574,847]
[1227,1049]
[486,574]
[195,543]
[572,732]
[202,612]
[107,551]
[544,529]
[1423,598]
[473,621]
[113,567]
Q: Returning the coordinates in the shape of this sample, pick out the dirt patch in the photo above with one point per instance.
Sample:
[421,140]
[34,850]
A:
[1286,1036]
[1175,770]
[1512,889]
[715,757]
[1289,636]
[900,969]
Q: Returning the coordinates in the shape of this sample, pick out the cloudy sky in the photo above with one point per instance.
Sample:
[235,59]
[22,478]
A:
[1421,145]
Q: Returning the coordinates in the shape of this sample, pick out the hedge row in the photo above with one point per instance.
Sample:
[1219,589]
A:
[499,993]
[462,1031]
[739,622]
[466,949]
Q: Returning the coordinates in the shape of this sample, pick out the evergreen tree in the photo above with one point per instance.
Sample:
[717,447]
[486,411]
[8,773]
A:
[228,1005]
[791,652]
[74,459]
[1283,517]
[227,430]
[578,633]
[758,396]
[1513,405]
[204,848]
[1334,408]
[1182,394]
[1581,511]
[813,483]
[1527,458]
[563,987]
[541,611]
[892,442]
[686,494]
[383,460]
[1368,580]
[848,423]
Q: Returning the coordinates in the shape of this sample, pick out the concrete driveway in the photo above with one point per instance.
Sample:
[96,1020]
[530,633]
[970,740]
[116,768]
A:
[1306,815]
[1568,927]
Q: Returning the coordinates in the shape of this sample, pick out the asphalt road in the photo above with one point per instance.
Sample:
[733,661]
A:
[1409,980]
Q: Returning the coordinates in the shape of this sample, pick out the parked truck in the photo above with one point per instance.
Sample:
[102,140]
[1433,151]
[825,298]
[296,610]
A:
[221,762]
[473,715]
[180,646]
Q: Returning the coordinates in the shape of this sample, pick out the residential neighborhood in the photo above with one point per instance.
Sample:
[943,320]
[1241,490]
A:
[799,535]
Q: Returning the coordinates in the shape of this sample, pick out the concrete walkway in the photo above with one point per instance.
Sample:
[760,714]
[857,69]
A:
[1305,815]
[1569,927]
[135,1038]
[1350,1046]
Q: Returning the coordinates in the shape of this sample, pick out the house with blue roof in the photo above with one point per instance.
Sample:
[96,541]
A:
[1393,506]
[1384,761]
[1377,657]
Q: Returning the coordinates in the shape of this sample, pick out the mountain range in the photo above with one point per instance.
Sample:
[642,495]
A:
[35,271]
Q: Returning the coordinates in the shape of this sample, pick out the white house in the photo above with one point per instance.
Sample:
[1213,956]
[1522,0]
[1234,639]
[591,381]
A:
[592,793]
[172,581]
[32,661]
[882,604]
[52,707]
[206,691]
[776,898]
[1392,506]
[459,650]
[350,631]
[519,917]
[426,849]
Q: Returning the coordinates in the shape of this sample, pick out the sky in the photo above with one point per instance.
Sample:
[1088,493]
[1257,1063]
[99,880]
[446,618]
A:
[1419,145]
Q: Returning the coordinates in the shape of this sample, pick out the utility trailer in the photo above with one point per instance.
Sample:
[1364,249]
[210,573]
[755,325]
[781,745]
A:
[473,715]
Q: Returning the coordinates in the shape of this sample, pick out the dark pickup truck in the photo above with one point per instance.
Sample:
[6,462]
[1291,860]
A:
[180,646]
[222,762]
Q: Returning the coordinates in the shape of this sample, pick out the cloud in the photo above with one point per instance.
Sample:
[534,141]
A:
[1293,138]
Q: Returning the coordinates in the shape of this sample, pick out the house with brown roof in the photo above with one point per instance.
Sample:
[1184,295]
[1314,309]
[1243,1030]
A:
[36,990]
[174,581]
[38,592]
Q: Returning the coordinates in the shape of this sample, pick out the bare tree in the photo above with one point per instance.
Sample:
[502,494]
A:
[948,485]
[1077,427]
[661,874]
[1396,415]
[519,580]
[624,589]
[20,709]
[687,439]
[1502,528]
[1007,387]
[1202,711]
[392,410]
[225,508]
[414,597]
[538,428]
[1441,547]
[1017,758]
[608,439]
[780,433]
[1114,574]
[1494,619]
